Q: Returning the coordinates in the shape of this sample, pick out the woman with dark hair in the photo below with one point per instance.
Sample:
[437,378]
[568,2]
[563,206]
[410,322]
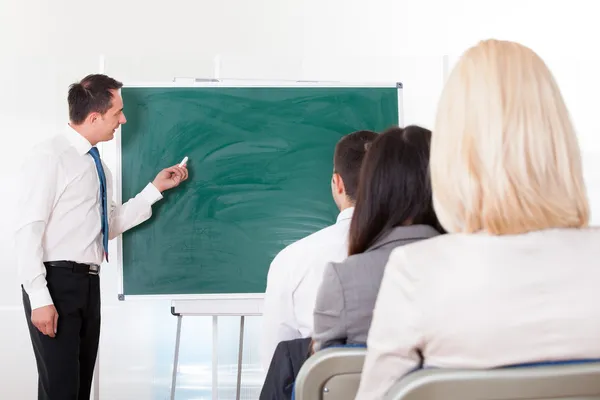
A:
[393,208]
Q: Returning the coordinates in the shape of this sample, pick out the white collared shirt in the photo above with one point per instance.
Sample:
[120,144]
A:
[59,211]
[293,282]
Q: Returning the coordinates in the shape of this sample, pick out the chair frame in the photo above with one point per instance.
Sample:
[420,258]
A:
[558,381]
[326,366]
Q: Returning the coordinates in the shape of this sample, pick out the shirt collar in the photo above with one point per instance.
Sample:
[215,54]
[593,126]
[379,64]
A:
[345,214]
[80,143]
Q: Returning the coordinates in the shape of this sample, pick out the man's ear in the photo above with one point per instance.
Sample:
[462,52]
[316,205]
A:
[93,117]
[338,184]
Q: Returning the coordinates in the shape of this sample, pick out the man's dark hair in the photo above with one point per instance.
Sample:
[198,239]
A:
[348,157]
[394,187]
[90,95]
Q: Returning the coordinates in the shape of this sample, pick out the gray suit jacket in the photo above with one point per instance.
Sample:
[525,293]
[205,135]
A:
[347,295]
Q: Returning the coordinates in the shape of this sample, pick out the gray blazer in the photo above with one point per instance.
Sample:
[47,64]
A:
[347,295]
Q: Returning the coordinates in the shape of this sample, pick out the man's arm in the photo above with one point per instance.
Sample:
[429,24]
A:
[133,212]
[139,209]
[278,310]
[38,182]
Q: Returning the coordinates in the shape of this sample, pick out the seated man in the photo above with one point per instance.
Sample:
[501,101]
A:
[296,272]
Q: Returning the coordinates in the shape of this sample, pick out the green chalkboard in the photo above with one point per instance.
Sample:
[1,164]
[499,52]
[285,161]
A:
[260,162]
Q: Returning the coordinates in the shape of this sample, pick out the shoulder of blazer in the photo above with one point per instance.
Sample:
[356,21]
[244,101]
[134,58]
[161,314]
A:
[404,234]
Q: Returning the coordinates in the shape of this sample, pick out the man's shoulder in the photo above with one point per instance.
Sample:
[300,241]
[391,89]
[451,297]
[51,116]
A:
[330,234]
[47,152]
[54,146]
[331,239]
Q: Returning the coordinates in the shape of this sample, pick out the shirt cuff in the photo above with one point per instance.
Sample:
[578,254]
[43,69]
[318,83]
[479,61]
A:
[40,298]
[151,194]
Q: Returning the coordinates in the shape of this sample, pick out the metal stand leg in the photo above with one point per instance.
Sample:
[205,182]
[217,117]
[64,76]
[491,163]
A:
[240,354]
[176,359]
[215,360]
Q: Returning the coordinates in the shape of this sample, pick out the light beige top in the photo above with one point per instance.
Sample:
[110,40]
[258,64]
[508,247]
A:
[481,301]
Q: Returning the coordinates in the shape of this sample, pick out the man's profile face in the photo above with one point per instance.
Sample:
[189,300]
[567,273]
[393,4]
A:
[110,121]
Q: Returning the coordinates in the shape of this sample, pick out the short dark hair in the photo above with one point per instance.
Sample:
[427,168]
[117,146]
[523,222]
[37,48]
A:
[348,157]
[90,95]
[394,187]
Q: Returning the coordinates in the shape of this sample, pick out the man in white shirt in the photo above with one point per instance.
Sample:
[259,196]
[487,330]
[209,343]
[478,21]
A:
[65,219]
[296,272]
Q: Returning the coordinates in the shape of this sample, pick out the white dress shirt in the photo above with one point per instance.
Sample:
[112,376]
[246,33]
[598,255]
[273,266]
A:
[293,282]
[480,301]
[59,211]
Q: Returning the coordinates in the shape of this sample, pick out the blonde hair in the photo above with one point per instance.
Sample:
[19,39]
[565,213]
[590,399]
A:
[504,154]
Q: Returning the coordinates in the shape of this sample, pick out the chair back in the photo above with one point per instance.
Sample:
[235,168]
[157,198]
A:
[332,374]
[556,381]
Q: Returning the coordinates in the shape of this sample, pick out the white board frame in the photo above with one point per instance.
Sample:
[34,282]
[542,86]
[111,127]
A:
[222,303]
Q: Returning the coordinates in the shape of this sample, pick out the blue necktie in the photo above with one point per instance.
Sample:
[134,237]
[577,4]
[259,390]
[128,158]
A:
[96,156]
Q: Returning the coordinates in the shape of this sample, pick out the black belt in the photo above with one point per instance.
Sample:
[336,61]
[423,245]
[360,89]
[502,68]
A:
[91,269]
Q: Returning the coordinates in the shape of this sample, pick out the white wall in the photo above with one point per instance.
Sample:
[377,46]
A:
[45,45]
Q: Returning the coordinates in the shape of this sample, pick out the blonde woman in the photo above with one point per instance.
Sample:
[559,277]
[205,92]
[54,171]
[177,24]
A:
[517,279]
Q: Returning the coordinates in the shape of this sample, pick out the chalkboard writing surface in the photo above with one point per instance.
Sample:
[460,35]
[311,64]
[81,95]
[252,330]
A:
[260,162]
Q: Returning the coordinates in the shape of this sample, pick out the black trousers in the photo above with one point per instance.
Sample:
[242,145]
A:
[66,362]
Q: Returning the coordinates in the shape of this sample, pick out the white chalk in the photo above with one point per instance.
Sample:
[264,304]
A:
[182,163]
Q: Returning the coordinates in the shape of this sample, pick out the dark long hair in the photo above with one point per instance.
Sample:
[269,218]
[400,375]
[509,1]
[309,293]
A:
[394,187]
